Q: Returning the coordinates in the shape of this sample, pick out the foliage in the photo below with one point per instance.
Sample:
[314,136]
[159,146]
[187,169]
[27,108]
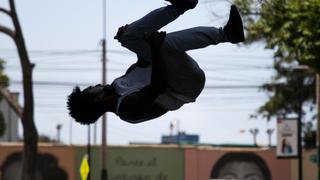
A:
[4,81]
[46,139]
[309,136]
[288,92]
[2,125]
[290,27]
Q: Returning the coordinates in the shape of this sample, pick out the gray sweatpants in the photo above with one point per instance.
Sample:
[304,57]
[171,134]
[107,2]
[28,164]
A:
[185,78]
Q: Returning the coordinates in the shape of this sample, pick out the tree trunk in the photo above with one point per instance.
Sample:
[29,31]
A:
[30,134]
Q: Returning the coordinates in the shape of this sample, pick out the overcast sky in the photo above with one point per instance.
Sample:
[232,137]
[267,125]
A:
[63,40]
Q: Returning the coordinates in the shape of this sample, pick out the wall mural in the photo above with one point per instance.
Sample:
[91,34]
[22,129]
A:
[48,168]
[244,166]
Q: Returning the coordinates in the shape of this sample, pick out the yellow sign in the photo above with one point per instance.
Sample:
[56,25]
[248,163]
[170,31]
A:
[84,167]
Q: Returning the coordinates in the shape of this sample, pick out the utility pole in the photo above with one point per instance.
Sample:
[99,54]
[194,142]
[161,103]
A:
[89,152]
[171,132]
[318,122]
[95,133]
[300,85]
[178,132]
[104,172]
[70,133]
[58,127]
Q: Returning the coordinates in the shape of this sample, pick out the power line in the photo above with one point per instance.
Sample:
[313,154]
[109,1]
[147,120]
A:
[81,69]
[124,52]
[55,83]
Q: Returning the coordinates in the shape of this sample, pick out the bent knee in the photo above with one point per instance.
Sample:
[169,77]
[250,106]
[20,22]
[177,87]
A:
[170,45]
[200,80]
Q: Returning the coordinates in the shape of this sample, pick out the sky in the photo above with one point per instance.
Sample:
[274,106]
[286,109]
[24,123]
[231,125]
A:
[63,40]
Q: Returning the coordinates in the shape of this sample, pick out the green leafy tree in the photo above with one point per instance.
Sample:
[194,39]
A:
[292,29]
[4,79]
[46,139]
[4,82]
[2,124]
[290,92]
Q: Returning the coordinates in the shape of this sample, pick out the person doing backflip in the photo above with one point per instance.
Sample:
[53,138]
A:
[165,77]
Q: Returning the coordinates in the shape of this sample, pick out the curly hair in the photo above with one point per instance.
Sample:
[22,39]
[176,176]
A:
[83,108]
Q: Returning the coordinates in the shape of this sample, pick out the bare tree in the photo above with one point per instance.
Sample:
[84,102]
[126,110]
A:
[30,133]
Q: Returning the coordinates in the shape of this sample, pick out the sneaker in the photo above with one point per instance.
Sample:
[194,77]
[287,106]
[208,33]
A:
[234,28]
[187,4]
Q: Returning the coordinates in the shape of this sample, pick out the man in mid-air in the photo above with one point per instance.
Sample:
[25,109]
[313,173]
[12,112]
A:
[165,77]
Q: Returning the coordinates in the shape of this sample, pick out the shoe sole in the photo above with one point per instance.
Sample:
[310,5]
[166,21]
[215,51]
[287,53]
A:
[187,5]
[236,13]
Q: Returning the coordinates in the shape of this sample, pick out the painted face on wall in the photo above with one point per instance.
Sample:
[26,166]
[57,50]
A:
[244,166]
[13,172]
[241,170]
[11,168]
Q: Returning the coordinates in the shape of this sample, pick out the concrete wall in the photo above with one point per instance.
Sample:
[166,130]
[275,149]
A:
[199,163]
[123,162]
[63,154]
[160,162]
[309,166]
[137,162]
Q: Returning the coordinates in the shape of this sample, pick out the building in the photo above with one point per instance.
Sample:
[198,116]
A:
[11,121]
[180,138]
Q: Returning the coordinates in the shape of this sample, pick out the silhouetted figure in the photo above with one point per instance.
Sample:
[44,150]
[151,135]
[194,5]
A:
[47,167]
[165,77]
[286,147]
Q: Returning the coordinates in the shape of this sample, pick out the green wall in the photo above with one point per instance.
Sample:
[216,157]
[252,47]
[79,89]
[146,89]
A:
[95,162]
[136,163]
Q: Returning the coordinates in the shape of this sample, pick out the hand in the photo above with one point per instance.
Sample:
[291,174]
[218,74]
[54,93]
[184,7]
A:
[121,30]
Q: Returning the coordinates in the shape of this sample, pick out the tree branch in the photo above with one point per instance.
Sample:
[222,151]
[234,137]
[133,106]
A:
[13,103]
[5,11]
[7,31]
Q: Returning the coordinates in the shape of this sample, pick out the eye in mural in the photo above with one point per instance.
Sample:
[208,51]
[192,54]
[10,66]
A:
[244,166]
[48,168]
